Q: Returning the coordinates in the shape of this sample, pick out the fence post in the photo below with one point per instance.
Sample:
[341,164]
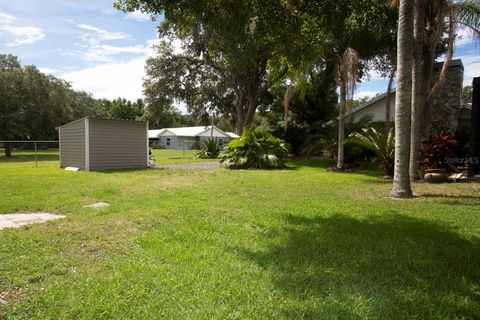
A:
[36,157]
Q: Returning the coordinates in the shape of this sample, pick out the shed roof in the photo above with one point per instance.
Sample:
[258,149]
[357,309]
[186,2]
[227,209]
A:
[93,118]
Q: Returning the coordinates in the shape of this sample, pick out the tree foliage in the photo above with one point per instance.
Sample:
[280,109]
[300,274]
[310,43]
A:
[255,149]
[381,143]
[123,109]
[228,45]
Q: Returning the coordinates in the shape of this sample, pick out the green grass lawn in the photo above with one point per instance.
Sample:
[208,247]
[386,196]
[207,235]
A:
[300,243]
[50,158]
[165,156]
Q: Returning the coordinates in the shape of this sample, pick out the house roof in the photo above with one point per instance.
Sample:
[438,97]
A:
[154,133]
[361,107]
[370,102]
[186,132]
[232,135]
[453,64]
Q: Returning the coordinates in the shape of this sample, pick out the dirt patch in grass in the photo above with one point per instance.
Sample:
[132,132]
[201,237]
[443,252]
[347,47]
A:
[11,295]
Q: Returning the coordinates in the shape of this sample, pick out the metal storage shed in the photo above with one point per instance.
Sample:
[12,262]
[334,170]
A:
[100,144]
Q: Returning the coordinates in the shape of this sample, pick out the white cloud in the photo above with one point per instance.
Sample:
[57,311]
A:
[104,53]
[110,80]
[6,18]
[95,49]
[366,93]
[138,15]
[48,70]
[98,34]
[471,64]
[23,35]
[464,38]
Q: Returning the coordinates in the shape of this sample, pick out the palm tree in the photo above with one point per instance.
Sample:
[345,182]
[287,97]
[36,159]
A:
[401,180]
[347,66]
[464,14]
[418,97]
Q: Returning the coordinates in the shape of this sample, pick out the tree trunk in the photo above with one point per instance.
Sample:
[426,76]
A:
[341,126]
[240,115]
[252,104]
[442,77]
[401,180]
[418,97]
[8,149]
[387,111]
[428,63]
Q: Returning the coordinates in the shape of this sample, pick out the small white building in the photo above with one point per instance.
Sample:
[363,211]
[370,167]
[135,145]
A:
[188,137]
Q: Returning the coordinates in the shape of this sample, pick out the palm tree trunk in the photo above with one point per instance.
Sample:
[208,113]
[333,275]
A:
[341,126]
[418,100]
[389,93]
[401,180]
[442,77]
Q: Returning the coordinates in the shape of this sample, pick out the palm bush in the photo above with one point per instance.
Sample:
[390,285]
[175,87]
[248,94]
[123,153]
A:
[255,149]
[380,143]
[210,150]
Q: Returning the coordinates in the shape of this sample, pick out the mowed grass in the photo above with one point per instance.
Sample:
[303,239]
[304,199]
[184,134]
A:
[300,243]
[50,158]
[167,156]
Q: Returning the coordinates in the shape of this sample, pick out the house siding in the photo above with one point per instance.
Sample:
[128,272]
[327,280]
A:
[187,143]
[72,145]
[178,143]
[377,111]
[117,144]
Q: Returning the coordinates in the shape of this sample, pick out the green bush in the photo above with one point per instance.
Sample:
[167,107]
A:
[210,150]
[157,145]
[379,142]
[255,149]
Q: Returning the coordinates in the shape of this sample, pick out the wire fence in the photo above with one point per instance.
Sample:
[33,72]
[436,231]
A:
[37,152]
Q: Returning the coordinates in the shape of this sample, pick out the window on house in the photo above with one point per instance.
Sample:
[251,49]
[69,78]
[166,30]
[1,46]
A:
[168,141]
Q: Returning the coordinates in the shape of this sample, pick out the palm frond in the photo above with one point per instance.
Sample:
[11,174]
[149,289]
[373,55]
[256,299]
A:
[381,143]
[467,15]
[348,70]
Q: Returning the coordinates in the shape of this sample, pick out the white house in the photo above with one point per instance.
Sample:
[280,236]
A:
[188,137]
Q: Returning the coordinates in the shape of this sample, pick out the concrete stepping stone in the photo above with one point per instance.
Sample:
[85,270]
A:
[16,220]
[97,205]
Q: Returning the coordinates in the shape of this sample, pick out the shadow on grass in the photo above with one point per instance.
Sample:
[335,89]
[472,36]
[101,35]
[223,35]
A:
[452,196]
[391,267]
[124,170]
[455,200]
[366,168]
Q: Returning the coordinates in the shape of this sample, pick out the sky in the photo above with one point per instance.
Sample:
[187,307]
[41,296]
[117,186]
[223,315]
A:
[101,50]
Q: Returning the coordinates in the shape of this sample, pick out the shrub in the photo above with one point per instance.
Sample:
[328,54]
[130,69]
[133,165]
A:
[380,143]
[255,149]
[157,145]
[434,154]
[210,150]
